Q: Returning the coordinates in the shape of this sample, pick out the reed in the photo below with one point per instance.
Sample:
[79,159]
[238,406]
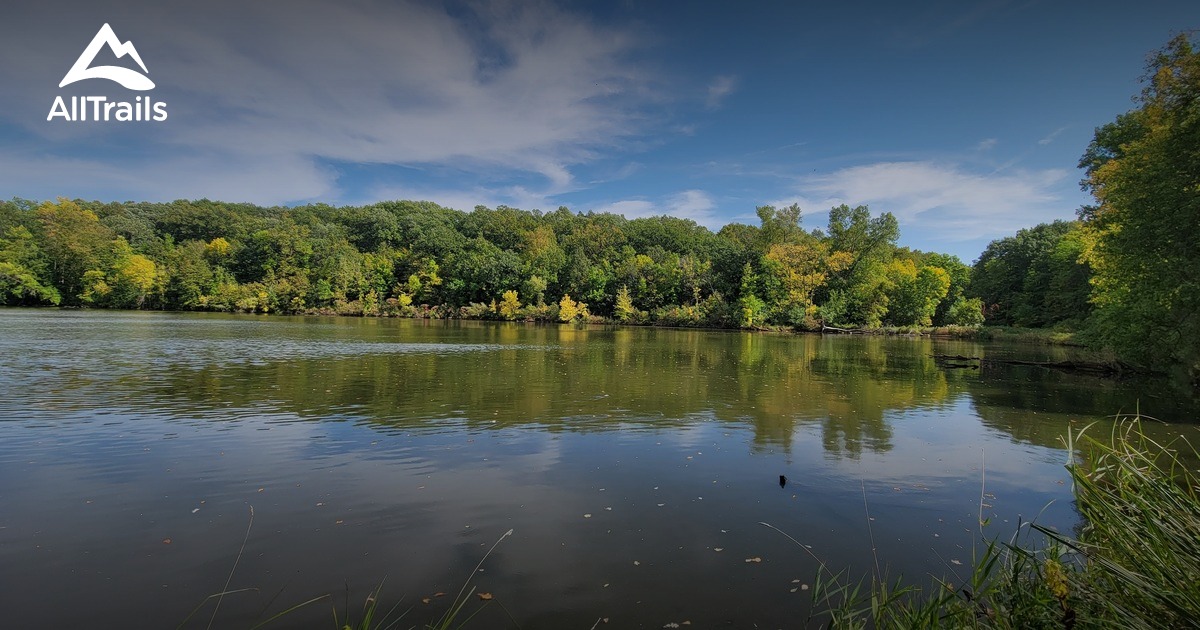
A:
[1134,562]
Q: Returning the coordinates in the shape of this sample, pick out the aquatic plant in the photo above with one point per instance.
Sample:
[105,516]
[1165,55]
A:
[1135,562]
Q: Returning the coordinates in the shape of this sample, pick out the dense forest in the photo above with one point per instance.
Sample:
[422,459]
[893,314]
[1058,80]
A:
[418,259]
[1124,274]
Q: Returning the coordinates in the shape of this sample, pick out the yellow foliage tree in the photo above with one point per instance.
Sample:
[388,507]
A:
[625,310]
[510,305]
[218,248]
[802,268]
[914,293]
[569,309]
[138,272]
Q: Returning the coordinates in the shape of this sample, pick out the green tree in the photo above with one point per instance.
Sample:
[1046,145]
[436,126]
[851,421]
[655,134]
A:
[19,286]
[123,280]
[779,225]
[965,312]
[858,289]
[914,294]
[23,270]
[423,283]
[190,277]
[483,270]
[852,230]
[753,311]
[541,256]
[74,241]
[1144,171]
[1033,278]
[960,279]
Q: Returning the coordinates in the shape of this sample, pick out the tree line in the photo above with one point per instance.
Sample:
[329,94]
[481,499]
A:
[418,259]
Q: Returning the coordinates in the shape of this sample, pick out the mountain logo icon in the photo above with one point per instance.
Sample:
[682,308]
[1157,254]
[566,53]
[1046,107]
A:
[128,78]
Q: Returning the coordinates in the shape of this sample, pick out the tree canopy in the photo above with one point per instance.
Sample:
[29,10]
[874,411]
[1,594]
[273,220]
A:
[1141,237]
[418,259]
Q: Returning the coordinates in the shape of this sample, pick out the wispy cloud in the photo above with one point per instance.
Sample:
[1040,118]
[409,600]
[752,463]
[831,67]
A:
[720,87]
[516,88]
[1051,136]
[942,202]
[987,144]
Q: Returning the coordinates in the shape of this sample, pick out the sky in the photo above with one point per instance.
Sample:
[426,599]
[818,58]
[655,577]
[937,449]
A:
[966,120]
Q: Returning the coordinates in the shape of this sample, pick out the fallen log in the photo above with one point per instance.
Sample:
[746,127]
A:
[1088,367]
[957,361]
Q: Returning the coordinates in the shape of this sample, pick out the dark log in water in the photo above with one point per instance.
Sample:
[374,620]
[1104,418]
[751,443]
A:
[1087,367]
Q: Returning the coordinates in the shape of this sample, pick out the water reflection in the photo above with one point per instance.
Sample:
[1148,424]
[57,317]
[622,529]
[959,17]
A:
[556,378]
[373,448]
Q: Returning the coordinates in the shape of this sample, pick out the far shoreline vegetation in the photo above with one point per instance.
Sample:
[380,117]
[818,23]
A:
[898,292]
[1119,279]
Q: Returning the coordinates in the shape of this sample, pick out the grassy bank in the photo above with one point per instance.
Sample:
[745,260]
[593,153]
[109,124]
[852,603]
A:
[1134,563]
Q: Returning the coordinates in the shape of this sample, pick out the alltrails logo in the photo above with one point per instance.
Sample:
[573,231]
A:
[99,107]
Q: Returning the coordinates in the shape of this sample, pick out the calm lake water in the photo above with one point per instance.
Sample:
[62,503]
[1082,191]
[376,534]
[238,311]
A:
[633,465]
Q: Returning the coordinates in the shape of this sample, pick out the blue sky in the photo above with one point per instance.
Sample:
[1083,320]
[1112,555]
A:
[964,119]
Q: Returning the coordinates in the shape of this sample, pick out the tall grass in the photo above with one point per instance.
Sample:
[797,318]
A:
[1139,547]
[1134,564]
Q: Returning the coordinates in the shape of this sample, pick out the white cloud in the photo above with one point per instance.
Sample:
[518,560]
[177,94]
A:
[696,205]
[718,89]
[942,202]
[517,88]
[987,144]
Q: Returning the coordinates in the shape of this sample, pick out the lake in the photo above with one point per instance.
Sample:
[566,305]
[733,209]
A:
[635,467]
